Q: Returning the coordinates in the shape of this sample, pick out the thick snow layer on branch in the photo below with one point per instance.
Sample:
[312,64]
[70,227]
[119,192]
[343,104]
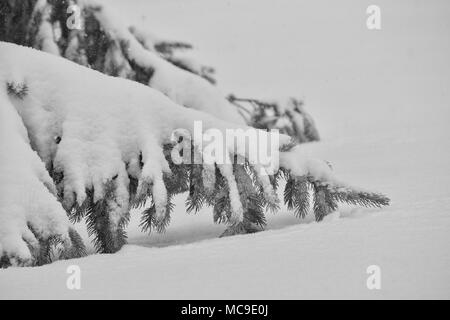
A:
[92,125]
[301,164]
[45,37]
[183,87]
[95,130]
[29,211]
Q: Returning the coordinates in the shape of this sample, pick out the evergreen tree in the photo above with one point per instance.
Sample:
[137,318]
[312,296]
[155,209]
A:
[103,44]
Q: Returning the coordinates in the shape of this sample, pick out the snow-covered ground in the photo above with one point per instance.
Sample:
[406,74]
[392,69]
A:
[381,100]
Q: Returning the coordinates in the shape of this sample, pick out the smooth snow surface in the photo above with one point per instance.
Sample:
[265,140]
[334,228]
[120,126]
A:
[381,101]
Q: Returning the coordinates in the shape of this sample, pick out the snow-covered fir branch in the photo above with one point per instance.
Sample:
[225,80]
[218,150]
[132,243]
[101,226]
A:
[97,146]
